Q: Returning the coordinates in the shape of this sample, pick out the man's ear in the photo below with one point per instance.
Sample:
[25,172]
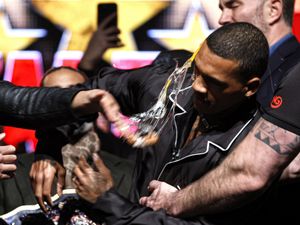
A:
[252,86]
[275,11]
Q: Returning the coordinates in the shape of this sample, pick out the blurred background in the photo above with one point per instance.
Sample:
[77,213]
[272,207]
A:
[36,35]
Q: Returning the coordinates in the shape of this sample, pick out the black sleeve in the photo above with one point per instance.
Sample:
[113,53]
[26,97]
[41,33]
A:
[29,107]
[50,143]
[135,90]
[117,210]
[284,110]
[93,72]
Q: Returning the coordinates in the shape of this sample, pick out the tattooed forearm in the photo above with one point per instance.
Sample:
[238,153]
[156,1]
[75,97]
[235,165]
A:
[280,140]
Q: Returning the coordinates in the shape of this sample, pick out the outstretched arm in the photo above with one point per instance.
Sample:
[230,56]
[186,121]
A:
[245,174]
[256,162]
[91,101]
[49,107]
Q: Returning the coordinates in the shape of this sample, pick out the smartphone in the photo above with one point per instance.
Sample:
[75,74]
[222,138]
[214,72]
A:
[106,9]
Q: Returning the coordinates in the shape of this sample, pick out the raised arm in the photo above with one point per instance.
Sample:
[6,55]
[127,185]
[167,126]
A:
[30,107]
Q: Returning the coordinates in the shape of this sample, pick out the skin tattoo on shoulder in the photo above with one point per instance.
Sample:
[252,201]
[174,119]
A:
[280,140]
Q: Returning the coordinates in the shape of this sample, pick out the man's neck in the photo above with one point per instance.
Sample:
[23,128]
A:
[228,117]
[277,33]
[221,121]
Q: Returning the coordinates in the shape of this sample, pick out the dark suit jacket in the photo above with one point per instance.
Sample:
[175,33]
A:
[285,57]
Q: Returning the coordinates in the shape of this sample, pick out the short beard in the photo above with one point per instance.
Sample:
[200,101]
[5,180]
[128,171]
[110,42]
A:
[258,21]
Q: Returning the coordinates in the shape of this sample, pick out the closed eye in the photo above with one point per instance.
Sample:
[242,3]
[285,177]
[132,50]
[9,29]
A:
[209,80]
[229,4]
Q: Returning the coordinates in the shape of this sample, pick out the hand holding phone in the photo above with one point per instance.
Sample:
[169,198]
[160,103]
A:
[108,25]
[105,37]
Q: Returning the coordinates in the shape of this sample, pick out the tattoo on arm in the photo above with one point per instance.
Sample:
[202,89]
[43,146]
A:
[279,139]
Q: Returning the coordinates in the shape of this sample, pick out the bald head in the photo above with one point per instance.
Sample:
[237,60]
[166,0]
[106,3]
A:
[63,77]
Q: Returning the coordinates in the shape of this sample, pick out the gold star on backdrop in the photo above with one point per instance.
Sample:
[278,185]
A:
[9,42]
[79,17]
[189,38]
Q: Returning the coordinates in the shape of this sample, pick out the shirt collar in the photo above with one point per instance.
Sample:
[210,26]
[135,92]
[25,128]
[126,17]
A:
[278,43]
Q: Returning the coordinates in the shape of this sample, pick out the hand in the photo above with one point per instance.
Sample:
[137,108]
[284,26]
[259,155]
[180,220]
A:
[161,196]
[42,175]
[7,160]
[292,172]
[89,183]
[96,100]
[106,36]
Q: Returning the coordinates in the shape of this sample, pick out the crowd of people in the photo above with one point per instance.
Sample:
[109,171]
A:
[228,155]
